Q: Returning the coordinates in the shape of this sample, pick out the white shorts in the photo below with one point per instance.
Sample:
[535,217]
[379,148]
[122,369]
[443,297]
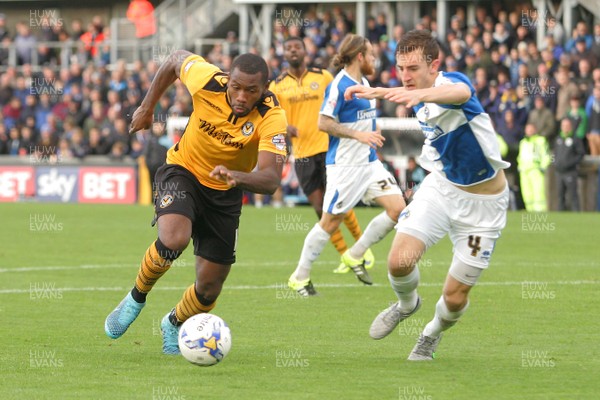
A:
[347,185]
[472,221]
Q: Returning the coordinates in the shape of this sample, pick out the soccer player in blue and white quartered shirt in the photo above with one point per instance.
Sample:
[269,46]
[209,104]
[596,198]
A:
[464,196]
[353,171]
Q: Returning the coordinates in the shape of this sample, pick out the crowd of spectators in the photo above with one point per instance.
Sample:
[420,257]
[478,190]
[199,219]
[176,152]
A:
[84,107]
[79,109]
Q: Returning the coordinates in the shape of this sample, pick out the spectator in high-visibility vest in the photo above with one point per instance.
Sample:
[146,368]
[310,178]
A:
[533,160]
[141,13]
[503,145]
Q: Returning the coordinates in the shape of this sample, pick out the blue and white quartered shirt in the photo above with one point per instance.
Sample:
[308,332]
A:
[357,114]
[460,141]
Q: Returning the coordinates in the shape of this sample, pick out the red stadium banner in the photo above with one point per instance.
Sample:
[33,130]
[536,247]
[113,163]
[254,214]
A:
[107,185]
[16,183]
[68,184]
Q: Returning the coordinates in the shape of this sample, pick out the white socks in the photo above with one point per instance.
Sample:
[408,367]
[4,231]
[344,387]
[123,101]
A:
[379,226]
[314,244]
[443,319]
[405,288]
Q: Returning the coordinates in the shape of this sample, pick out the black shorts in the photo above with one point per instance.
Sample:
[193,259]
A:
[311,173]
[215,214]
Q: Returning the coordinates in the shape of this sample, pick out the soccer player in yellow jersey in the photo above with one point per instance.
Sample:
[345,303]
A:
[236,125]
[300,91]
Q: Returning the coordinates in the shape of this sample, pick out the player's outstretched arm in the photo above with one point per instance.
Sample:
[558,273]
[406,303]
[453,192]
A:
[327,124]
[365,92]
[165,76]
[264,180]
[456,93]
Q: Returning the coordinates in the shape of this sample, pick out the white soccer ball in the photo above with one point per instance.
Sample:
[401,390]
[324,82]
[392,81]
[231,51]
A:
[204,339]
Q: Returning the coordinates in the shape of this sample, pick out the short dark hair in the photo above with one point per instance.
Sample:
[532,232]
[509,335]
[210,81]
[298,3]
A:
[419,40]
[251,64]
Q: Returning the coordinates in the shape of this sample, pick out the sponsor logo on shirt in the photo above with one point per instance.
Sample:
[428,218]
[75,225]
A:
[366,114]
[222,136]
[305,97]
[431,132]
[210,104]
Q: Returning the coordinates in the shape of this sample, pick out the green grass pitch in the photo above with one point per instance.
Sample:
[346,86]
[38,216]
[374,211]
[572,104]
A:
[531,331]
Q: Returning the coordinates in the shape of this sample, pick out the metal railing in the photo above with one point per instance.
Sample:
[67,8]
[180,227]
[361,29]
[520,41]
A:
[67,50]
[72,51]
[172,33]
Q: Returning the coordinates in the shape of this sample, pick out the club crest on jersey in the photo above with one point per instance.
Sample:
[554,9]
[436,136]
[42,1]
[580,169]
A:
[314,85]
[166,201]
[404,214]
[248,129]
[279,141]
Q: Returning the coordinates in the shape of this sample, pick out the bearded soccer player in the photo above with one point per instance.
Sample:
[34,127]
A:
[236,125]
[300,91]
[354,172]
[464,196]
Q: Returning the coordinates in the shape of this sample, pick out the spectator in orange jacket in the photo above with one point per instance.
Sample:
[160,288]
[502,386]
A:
[141,13]
[91,39]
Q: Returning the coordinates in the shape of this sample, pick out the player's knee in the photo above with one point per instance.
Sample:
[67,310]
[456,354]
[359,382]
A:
[399,265]
[331,223]
[394,213]
[393,210]
[174,231]
[165,251]
[175,241]
[208,292]
[455,300]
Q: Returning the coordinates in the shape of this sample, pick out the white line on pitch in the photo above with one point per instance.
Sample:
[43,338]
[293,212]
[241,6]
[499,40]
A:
[283,286]
[283,264]
[136,265]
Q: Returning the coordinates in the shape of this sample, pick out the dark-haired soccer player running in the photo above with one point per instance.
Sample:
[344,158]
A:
[236,124]
[300,91]
[464,196]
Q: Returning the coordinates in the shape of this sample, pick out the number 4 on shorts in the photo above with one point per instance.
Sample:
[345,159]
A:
[474,244]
